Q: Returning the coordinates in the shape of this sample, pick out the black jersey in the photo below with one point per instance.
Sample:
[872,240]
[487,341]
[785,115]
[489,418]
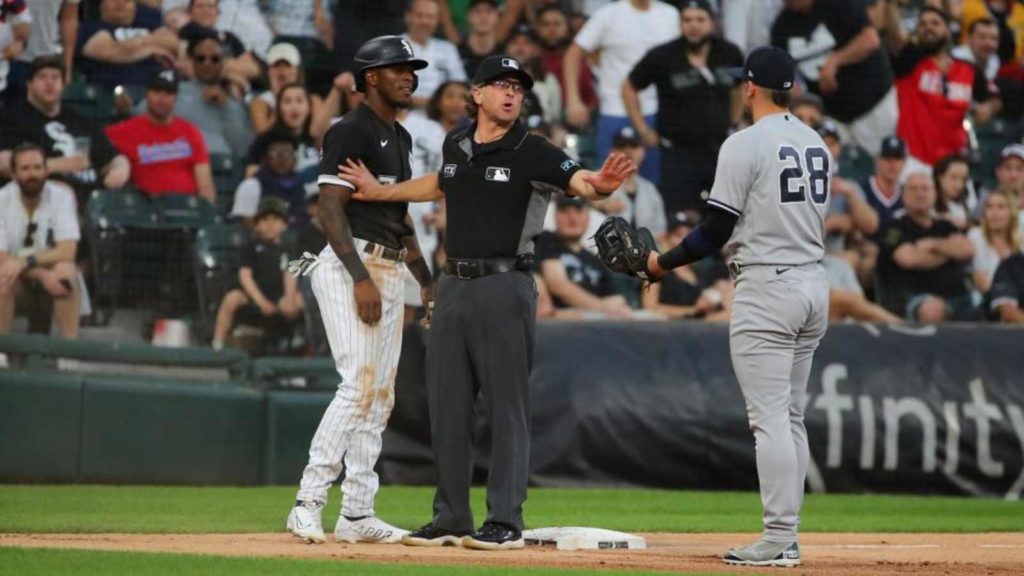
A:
[387,152]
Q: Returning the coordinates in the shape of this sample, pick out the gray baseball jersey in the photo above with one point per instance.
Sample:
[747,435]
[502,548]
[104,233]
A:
[775,176]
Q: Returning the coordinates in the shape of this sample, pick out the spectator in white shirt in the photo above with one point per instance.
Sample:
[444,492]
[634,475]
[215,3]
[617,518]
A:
[982,47]
[38,241]
[995,239]
[622,32]
[421,20]
[54,31]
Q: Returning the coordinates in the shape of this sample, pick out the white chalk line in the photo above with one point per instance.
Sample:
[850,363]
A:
[872,546]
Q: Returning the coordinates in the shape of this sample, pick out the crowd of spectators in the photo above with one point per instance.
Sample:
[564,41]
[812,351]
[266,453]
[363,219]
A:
[925,221]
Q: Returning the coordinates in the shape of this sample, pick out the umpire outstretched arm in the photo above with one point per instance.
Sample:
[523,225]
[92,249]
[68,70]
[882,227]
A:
[584,183]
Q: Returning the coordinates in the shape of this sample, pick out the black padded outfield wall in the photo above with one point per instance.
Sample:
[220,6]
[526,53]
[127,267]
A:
[905,410]
[614,404]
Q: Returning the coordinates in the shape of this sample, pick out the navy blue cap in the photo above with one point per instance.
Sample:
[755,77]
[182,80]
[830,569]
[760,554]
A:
[893,147]
[699,4]
[768,67]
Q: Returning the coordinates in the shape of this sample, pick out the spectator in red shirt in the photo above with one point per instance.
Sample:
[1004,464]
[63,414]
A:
[553,33]
[168,154]
[935,90]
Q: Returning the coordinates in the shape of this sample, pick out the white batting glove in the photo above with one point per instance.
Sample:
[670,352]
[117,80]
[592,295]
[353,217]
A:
[304,265]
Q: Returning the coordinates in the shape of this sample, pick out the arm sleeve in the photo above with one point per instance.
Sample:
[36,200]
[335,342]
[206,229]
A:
[589,37]
[1004,290]
[906,60]
[101,151]
[247,199]
[446,160]
[341,142]
[733,177]
[200,155]
[702,241]
[65,225]
[554,167]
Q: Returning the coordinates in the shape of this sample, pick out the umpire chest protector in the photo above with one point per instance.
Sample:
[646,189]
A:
[497,193]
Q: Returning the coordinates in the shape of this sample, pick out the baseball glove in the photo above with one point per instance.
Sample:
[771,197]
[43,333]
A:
[623,248]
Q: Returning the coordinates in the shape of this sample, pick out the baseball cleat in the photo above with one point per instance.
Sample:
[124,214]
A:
[493,536]
[431,535]
[370,529]
[764,553]
[304,522]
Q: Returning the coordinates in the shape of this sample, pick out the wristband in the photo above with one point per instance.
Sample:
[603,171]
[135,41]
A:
[420,271]
[31,262]
[354,265]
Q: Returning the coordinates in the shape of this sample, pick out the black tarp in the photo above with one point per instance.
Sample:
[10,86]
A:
[657,404]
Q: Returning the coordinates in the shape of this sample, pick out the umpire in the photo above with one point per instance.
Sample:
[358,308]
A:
[498,181]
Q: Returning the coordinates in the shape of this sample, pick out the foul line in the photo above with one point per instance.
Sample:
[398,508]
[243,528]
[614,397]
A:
[873,546]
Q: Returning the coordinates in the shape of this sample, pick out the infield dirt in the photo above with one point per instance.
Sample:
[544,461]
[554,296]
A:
[993,554]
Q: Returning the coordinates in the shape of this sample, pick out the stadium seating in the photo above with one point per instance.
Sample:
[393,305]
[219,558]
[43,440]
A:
[181,211]
[217,254]
[855,163]
[90,101]
[109,216]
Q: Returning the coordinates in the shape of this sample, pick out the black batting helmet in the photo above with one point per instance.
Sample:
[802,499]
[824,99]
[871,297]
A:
[384,51]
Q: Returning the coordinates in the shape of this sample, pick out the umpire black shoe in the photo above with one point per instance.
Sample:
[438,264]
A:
[431,535]
[494,536]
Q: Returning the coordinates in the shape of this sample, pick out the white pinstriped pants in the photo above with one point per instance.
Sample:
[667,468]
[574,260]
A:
[367,360]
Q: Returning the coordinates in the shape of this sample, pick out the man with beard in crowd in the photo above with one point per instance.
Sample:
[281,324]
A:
[697,103]
[935,90]
[38,241]
[78,150]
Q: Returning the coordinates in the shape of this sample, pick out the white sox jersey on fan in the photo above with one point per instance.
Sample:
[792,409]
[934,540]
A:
[775,176]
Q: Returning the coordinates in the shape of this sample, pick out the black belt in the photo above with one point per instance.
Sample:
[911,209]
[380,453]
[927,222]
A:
[469,268]
[382,251]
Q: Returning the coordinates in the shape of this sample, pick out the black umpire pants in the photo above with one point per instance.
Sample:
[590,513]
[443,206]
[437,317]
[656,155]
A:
[481,340]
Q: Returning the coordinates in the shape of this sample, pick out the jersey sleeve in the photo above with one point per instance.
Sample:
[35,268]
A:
[447,159]
[733,177]
[249,257]
[342,141]
[906,60]
[980,89]
[101,151]
[554,167]
[646,71]
[589,37]
[247,199]
[65,225]
[546,247]
[1004,290]
[200,155]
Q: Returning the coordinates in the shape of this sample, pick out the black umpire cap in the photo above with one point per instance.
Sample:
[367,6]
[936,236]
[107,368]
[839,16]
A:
[384,51]
[768,67]
[494,67]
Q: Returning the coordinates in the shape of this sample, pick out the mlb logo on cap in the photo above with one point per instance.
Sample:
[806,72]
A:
[510,63]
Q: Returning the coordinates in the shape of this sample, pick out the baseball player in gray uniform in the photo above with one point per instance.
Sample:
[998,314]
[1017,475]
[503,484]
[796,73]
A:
[769,201]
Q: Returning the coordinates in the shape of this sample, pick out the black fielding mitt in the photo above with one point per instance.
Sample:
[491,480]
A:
[623,248]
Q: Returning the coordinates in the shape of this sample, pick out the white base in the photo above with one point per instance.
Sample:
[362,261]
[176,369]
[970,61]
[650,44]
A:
[576,538]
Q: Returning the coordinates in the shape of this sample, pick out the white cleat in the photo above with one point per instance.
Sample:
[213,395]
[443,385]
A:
[764,553]
[370,529]
[304,522]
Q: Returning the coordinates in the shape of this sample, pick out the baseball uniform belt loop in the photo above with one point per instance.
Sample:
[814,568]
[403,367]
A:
[470,268]
[735,268]
[381,251]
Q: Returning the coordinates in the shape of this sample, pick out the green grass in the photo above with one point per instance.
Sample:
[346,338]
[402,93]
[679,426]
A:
[26,562]
[152,509]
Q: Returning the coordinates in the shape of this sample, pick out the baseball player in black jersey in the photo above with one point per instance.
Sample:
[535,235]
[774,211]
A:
[358,283]
[497,180]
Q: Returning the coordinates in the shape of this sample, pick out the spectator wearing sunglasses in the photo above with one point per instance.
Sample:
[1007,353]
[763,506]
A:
[38,240]
[207,101]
